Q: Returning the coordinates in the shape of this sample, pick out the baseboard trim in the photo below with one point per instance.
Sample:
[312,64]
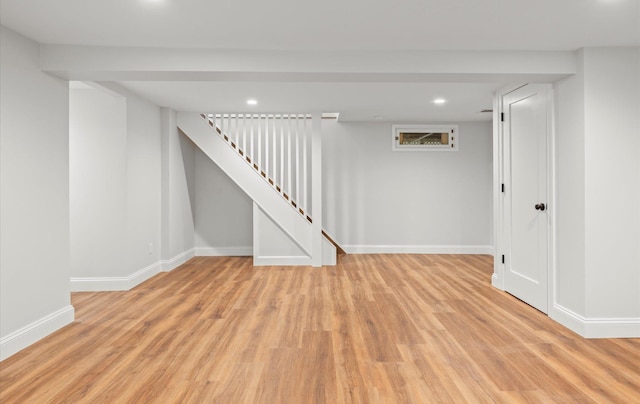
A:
[25,336]
[175,262]
[224,251]
[495,281]
[281,261]
[121,283]
[596,327]
[114,283]
[418,249]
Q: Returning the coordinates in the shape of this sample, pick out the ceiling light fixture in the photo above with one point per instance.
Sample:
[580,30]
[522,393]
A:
[252,102]
[439,101]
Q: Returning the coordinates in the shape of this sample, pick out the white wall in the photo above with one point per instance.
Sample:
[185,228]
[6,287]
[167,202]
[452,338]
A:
[177,173]
[34,197]
[612,172]
[223,212]
[570,184]
[143,183]
[598,157]
[114,188]
[97,187]
[377,200]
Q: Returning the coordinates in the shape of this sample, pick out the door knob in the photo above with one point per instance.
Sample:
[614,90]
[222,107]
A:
[540,207]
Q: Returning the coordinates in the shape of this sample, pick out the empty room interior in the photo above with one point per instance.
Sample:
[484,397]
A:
[339,202]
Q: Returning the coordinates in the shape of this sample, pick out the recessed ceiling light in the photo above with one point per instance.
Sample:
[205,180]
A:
[252,102]
[439,101]
[379,118]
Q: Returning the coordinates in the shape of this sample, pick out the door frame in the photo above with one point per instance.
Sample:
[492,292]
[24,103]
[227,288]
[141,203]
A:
[500,221]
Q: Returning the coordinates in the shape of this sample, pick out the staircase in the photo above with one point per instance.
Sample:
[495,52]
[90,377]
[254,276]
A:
[270,157]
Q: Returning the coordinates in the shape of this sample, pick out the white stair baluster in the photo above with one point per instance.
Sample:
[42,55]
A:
[275,161]
[289,157]
[281,154]
[223,126]
[304,165]
[244,135]
[297,135]
[236,132]
[251,136]
[260,166]
[267,162]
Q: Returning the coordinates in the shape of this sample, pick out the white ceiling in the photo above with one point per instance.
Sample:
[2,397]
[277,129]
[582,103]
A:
[329,24]
[373,25]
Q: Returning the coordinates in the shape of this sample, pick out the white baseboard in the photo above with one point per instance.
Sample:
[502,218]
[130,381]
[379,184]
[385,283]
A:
[495,281]
[120,283]
[114,283]
[329,253]
[35,331]
[596,327]
[418,249]
[281,261]
[175,262]
[224,251]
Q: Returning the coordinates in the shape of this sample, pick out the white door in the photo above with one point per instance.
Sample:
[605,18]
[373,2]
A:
[526,131]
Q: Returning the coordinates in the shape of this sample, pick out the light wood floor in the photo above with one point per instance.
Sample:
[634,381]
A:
[376,328]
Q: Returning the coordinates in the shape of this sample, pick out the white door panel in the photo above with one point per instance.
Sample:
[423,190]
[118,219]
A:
[526,133]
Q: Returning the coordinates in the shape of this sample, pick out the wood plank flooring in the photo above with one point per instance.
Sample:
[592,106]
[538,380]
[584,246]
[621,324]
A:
[374,329]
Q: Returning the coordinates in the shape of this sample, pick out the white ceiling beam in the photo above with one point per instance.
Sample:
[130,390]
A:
[159,64]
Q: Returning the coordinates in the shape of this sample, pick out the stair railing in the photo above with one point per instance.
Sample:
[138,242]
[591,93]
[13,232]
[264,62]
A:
[277,147]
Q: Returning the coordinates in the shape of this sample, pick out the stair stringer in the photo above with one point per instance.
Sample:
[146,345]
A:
[271,203]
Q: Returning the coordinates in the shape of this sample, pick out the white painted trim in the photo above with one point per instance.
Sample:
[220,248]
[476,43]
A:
[25,336]
[498,196]
[281,261]
[552,197]
[596,327]
[316,189]
[120,283]
[612,328]
[329,253]
[224,251]
[114,283]
[418,249]
[567,318]
[497,279]
[244,175]
[175,262]
[496,282]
